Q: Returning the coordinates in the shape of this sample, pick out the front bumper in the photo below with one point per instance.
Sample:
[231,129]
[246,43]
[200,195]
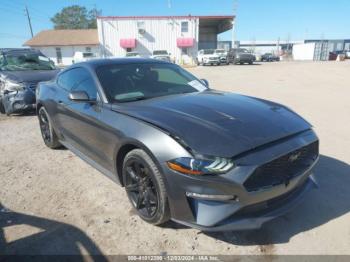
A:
[211,61]
[246,209]
[255,220]
[18,101]
[244,59]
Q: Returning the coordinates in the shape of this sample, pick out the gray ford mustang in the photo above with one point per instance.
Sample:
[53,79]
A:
[207,159]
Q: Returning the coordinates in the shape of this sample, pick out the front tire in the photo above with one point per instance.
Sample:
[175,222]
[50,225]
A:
[2,108]
[145,187]
[48,134]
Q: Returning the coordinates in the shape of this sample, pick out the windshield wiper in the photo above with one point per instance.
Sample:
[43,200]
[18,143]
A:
[132,99]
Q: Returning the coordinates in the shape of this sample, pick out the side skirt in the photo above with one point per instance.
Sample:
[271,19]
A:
[91,162]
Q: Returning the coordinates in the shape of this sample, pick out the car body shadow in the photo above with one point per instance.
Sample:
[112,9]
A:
[53,238]
[328,202]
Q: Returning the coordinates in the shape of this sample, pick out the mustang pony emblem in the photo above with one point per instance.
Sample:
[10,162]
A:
[294,157]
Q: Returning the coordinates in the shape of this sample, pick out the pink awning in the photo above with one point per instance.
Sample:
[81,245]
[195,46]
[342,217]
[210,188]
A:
[128,43]
[185,42]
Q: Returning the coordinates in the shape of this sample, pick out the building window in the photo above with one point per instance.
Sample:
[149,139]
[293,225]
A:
[347,47]
[128,49]
[88,49]
[184,27]
[141,27]
[59,55]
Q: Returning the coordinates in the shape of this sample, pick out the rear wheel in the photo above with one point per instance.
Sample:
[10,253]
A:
[48,134]
[145,187]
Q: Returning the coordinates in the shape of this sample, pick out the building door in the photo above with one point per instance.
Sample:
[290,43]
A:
[59,55]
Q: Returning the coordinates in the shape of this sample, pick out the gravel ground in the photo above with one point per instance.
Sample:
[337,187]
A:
[54,203]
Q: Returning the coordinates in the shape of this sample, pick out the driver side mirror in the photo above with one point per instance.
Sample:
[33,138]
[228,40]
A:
[80,96]
[205,82]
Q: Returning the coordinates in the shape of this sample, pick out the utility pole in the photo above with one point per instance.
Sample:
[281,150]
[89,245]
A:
[29,21]
[235,3]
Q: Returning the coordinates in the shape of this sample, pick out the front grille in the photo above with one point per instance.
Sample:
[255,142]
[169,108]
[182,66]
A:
[282,169]
[261,208]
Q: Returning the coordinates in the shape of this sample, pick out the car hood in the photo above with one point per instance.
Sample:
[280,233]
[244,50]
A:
[34,76]
[217,123]
[212,55]
[245,54]
[160,56]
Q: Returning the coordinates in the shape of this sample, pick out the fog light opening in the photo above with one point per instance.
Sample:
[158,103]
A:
[212,197]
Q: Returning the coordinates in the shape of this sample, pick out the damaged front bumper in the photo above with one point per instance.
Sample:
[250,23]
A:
[227,202]
[18,101]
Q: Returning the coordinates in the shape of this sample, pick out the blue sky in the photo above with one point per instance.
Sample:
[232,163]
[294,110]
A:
[256,19]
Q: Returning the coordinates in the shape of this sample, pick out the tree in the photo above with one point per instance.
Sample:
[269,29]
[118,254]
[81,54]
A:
[75,17]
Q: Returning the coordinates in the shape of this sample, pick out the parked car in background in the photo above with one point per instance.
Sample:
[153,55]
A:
[269,57]
[20,72]
[240,56]
[161,55]
[208,159]
[257,57]
[132,55]
[208,57]
[222,53]
[83,56]
[337,55]
[347,54]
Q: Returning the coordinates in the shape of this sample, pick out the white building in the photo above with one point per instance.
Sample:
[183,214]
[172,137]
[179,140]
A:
[182,36]
[262,47]
[61,45]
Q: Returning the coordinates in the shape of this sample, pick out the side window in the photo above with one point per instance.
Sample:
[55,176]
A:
[87,84]
[78,79]
[63,80]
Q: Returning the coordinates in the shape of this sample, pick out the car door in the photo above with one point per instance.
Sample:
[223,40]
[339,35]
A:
[80,120]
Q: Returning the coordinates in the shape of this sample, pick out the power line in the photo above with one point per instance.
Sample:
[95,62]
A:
[36,11]
[14,7]
[7,35]
[18,12]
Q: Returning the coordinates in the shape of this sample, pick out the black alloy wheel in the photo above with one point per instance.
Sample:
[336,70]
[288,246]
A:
[48,134]
[145,187]
[141,189]
[44,126]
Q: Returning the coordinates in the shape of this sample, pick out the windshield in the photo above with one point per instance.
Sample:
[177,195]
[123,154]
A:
[160,52]
[131,82]
[209,51]
[242,50]
[220,51]
[26,62]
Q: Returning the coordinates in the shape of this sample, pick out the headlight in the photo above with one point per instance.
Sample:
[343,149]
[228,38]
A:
[193,166]
[10,85]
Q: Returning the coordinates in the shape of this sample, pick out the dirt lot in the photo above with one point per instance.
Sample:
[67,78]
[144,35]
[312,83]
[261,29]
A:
[63,206]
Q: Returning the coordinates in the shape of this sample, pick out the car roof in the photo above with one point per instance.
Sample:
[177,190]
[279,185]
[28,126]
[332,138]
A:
[117,61]
[18,50]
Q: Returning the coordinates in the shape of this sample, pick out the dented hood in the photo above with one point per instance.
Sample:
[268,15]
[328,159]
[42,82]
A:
[217,123]
[30,76]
